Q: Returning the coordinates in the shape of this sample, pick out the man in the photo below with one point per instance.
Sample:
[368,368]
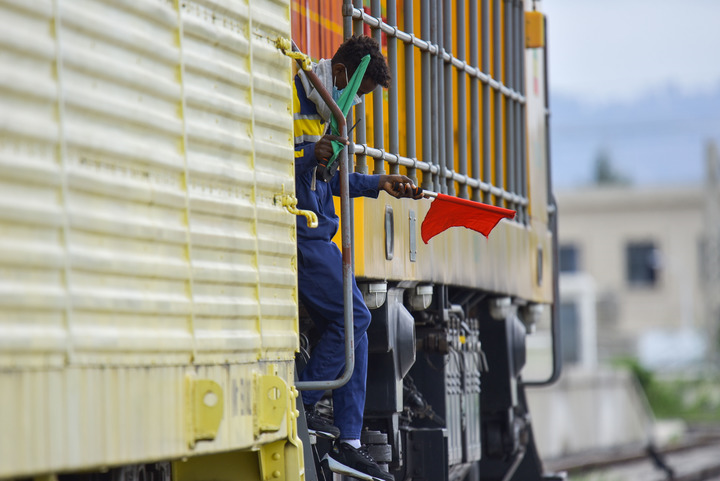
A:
[320,260]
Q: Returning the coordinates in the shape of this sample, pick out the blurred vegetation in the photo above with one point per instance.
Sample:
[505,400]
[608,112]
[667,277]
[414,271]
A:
[605,173]
[694,399]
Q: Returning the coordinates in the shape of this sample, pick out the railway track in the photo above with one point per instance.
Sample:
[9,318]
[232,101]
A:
[696,458]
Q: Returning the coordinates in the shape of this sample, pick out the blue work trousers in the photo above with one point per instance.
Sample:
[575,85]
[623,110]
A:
[321,291]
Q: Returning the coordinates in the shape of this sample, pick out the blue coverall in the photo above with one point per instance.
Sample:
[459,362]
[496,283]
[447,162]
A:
[320,273]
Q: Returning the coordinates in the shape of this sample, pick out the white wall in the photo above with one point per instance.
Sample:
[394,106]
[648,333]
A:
[602,221]
[589,410]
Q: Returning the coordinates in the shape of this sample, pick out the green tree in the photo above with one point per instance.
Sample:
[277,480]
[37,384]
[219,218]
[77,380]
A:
[605,173]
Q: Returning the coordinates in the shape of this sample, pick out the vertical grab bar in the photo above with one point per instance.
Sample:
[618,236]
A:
[346,247]
[427,66]
[462,99]
[555,316]
[499,180]
[410,91]
[361,165]
[519,71]
[447,103]
[509,80]
[378,122]
[392,48]
[486,151]
[474,101]
[523,126]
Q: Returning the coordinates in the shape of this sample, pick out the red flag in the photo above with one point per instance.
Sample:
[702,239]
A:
[447,211]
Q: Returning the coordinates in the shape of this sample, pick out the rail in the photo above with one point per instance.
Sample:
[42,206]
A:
[346,245]
[692,458]
[552,212]
[491,170]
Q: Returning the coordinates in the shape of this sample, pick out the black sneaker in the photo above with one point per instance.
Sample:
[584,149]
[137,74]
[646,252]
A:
[320,426]
[345,459]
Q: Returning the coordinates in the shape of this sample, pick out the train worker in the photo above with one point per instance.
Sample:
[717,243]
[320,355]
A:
[320,277]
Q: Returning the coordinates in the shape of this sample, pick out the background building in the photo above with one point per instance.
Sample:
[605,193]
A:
[640,278]
[652,256]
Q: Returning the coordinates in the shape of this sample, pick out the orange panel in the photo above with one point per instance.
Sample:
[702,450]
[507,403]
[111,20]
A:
[317,27]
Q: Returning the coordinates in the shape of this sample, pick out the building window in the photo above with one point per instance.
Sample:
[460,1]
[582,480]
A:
[568,254]
[570,332]
[703,259]
[643,263]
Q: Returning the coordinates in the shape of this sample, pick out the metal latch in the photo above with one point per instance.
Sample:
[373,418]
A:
[289,201]
[285,46]
[284,456]
[204,399]
[272,402]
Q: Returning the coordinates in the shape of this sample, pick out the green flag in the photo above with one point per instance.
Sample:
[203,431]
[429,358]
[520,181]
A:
[345,102]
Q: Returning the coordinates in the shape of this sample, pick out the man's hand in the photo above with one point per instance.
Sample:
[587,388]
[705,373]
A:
[323,147]
[399,186]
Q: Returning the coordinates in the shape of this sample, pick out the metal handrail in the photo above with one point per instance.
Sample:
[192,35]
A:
[501,177]
[555,316]
[346,246]
[390,158]
[436,50]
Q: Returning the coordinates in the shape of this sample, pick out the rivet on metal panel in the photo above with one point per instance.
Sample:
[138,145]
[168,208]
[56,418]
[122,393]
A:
[204,399]
[289,201]
[272,460]
[271,399]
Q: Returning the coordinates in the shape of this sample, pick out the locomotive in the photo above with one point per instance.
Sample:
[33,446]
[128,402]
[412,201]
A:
[149,318]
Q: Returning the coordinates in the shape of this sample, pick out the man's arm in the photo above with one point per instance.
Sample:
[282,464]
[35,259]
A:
[363,185]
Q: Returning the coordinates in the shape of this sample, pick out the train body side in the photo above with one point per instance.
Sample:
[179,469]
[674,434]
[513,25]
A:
[148,287]
[148,297]
[514,260]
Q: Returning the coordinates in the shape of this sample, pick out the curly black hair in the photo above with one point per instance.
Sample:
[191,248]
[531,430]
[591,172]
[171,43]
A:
[354,49]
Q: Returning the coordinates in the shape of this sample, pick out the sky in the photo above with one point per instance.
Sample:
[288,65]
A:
[614,50]
[636,79]
[640,81]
